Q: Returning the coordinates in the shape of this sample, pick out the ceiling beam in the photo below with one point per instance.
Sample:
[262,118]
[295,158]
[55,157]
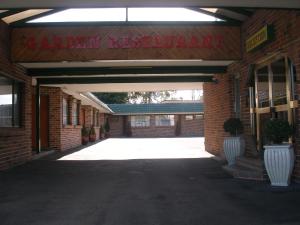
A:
[241,11]
[215,14]
[10,12]
[111,80]
[81,71]
[25,20]
[291,4]
[125,23]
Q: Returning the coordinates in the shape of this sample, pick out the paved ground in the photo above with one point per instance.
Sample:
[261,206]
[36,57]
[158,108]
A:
[190,191]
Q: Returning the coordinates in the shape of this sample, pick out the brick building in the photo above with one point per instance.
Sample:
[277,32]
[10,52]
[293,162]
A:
[264,83]
[248,63]
[157,120]
[63,114]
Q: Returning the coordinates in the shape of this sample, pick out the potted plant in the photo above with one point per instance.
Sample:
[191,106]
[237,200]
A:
[84,135]
[92,135]
[234,145]
[107,128]
[279,155]
[101,133]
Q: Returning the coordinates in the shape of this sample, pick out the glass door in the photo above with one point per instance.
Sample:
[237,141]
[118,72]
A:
[274,94]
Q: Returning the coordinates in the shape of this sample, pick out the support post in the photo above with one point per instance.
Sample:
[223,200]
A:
[37,118]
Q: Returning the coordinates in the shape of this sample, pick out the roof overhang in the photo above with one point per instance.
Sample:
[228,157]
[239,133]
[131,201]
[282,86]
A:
[160,113]
[129,87]
[6,4]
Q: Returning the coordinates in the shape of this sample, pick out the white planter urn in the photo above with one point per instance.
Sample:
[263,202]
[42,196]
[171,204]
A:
[279,163]
[233,147]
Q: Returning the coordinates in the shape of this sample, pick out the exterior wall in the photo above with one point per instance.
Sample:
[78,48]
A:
[190,128]
[217,109]
[15,143]
[55,115]
[154,131]
[63,137]
[70,135]
[88,115]
[286,24]
[116,126]
[89,119]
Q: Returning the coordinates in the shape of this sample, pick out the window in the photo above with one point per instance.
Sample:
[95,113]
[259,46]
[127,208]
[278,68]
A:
[75,114]
[189,117]
[199,117]
[262,85]
[65,112]
[279,82]
[140,121]
[10,95]
[164,120]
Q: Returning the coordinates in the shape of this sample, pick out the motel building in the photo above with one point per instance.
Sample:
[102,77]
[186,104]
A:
[245,57]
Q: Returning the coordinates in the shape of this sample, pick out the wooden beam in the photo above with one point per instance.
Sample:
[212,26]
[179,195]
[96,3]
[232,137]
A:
[217,15]
[22,22]
[128,23]
[11,12]
[241,11]
[82,71]
[107,80]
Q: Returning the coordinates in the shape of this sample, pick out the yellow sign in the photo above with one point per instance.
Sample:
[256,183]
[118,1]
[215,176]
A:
[257,39]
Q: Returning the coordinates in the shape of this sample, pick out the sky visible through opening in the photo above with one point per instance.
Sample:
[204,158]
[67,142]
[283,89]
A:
[119,14]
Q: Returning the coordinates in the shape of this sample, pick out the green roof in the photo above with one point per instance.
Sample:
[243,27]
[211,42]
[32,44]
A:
[159,108]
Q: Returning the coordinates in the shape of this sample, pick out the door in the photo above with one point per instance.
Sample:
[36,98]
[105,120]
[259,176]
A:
[82,117]
[44,122]
[274,94]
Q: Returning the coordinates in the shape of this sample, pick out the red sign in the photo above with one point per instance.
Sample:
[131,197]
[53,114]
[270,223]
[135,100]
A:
[122,42]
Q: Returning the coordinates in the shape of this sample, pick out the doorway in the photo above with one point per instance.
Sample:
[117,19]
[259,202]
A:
[274,94]
[44,122]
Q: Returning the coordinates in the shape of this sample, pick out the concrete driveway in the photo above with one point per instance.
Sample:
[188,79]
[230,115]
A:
[187,191]
[142,148]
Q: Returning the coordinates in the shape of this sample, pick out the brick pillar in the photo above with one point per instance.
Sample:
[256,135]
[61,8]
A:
[218,108]
[88,115]
[70,109]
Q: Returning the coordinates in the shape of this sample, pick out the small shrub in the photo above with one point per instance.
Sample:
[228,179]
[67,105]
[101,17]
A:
[84,131]
[92,131]
[234,126]
[277,130]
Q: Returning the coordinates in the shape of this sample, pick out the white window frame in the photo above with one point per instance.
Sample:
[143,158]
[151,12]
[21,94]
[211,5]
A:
[140,121]
[164,120]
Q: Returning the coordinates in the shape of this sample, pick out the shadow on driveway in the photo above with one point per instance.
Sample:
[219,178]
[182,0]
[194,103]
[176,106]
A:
[139,192]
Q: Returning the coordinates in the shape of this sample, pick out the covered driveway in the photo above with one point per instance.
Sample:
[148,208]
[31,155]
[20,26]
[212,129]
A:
[79,188]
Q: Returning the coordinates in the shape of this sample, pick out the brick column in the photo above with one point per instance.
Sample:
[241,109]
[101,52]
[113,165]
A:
[218,102]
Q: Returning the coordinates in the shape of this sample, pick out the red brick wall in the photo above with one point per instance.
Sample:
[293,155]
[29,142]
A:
[192,128]
[55,115]
[218,108]
[188,128]
[89,119]
[15,143]
[88,115]
[61,137]
[287,33]
[116,126]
